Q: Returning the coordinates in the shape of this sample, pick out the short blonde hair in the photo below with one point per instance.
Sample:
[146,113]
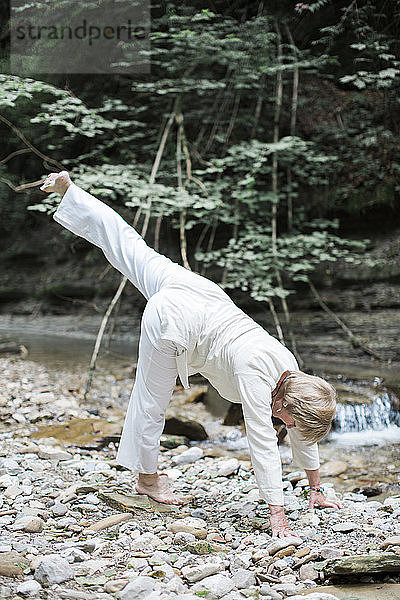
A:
[311,402]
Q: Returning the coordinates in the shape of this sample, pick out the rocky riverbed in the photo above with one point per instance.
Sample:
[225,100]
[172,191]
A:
[72,527]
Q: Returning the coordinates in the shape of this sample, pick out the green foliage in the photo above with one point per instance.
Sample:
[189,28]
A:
[15,88]
[250,261]
[220,70]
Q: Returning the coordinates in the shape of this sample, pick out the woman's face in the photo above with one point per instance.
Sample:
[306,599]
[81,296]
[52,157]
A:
[282,413]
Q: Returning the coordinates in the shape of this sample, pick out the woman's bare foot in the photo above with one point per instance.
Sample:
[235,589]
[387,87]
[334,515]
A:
[157,487]
[56,182]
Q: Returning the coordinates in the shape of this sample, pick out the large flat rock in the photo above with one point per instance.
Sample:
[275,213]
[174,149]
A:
[363,564]
[387,591]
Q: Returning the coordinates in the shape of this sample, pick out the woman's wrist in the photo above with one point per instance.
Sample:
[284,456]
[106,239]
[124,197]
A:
[62,192]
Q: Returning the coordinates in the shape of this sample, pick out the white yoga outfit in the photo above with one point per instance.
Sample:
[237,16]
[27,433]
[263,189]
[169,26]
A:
[189,326]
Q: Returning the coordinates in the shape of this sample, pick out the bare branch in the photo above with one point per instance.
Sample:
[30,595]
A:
[23,187]
[21,136]
[15,153]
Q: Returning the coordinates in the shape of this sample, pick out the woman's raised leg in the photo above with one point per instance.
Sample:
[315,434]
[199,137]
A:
[125,249]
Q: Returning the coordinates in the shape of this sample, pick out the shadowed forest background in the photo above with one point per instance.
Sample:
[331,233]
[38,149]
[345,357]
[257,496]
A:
[262,151]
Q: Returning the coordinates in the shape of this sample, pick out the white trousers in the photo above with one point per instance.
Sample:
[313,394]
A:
[149,271]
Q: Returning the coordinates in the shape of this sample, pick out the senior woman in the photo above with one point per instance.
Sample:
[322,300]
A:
[190,325]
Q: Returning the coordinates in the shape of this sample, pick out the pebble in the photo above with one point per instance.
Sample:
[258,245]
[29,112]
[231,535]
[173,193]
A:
[198,572]
[28,524]
[281,543]
[13,491]
[193,525]
[9,466]
[217,586]
[59,509]
[267,590]
[288,589]
[345,527]
[29,588]
[139,589]
[243,579]
[115,585]
[53,453]
[308,572]
[227,467]
[53,569]
[188,456]
[145,542]
[182,538]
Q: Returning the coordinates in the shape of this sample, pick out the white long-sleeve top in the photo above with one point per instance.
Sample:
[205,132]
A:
[239,358]
[243,362]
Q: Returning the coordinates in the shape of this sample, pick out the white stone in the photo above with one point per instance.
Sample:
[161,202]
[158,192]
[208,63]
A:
[29,588]
[308,572]
[94,466]
[59,509]
[345,527]
[253,495]
[53,569]
[192,525]
[188,456]
[176,586]
[92,499]
[13,491]
[10,466]
[173,474]
[182,538]
[198,572]
[216,585]
[227,467]
[137,564]
[139,589]
[309,518]
[243,578]
[393,501]
[288,589]
[29,524]
[7,480]
[146,542]
[266,590]
[241,560]
[53,453]
[281,543]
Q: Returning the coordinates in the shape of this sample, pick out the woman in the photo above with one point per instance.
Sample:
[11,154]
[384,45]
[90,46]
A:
[190,325]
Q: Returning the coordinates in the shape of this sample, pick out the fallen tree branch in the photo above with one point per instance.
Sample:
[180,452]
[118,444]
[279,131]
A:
[355,341]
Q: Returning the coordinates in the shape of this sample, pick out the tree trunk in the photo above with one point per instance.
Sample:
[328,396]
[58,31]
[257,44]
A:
[293,117]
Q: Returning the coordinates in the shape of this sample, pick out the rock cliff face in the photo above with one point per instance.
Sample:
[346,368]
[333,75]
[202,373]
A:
[53,272]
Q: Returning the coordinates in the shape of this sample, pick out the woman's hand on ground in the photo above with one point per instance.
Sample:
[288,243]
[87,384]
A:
[318,499]
[56,182]
[279,525]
